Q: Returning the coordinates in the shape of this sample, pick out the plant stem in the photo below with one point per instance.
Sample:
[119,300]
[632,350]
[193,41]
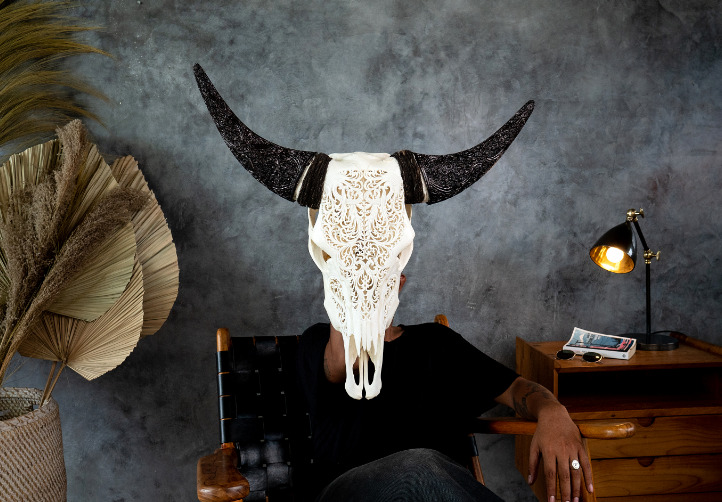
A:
[48,391]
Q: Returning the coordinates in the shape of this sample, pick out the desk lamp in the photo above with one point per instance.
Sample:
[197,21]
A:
[616,251]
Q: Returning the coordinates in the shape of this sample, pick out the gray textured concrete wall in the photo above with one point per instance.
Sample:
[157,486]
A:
[628,115]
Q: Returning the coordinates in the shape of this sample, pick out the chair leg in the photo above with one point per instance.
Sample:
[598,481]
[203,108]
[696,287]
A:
[476,468]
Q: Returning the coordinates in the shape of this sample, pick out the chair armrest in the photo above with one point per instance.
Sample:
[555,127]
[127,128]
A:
[698,344]
[218,477]
[589,429]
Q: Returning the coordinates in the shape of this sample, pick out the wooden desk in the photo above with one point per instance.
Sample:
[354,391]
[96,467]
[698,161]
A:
[674,398]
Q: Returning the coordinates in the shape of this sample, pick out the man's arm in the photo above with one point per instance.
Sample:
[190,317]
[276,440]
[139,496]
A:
[556,439]
[334,358]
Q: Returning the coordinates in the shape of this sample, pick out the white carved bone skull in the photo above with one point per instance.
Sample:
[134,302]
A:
[361,238]
[360,233]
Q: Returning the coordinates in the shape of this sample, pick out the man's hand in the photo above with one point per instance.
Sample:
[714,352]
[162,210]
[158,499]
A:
[556,440]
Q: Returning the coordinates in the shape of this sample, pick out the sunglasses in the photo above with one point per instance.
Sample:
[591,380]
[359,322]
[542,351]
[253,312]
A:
[590,357]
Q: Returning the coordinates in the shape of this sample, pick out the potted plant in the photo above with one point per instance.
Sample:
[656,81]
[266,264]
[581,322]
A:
[87,268]
[87,261]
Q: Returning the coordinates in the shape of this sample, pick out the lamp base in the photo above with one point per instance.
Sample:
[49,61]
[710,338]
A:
[656,342]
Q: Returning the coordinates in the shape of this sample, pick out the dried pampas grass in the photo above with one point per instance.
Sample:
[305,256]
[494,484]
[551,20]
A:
[36,93]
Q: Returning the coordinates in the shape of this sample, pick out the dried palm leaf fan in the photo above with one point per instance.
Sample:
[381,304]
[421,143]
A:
[69,332]
[37,94]
[89,348]
[67,245]
[156,251]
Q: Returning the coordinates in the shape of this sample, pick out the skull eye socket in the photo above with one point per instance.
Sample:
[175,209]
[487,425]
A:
[319,256]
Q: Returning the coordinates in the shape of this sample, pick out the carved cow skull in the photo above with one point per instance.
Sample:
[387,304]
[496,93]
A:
[360,234]
[361,238]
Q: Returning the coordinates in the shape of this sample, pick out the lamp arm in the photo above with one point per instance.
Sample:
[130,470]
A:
[641,235]
[647,262]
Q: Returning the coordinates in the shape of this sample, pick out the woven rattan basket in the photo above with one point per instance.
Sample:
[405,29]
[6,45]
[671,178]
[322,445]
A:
[32,467]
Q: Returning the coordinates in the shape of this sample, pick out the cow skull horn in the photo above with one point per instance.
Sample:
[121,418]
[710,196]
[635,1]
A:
[447,175]
[299,175]
[279,168]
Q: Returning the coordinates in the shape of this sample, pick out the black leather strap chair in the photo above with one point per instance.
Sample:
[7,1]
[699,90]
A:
[265,448]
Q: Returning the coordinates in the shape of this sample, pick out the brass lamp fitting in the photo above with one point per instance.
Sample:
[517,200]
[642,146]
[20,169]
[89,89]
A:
[648,255]
[633,213]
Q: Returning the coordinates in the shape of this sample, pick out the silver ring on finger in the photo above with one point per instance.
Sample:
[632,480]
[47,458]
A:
[575,464]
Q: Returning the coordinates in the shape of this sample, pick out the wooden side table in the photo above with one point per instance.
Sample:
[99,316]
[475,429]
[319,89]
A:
[674,398]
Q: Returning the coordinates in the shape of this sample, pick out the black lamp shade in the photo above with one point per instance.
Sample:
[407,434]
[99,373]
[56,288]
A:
[616,250]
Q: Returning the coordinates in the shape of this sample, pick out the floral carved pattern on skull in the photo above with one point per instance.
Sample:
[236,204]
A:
[361,238]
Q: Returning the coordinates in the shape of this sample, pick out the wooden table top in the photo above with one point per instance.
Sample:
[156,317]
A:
[682,357]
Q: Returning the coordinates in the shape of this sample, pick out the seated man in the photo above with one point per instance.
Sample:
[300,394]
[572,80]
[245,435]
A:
[408,442]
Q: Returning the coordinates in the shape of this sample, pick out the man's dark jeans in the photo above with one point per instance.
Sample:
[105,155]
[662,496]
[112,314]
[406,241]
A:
[413,475]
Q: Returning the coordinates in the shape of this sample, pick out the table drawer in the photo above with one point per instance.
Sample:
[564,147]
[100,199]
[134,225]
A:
[652,475]
[672,497]
[660,436]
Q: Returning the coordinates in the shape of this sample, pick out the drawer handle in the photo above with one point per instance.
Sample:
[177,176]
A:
[645,461]
[646,422]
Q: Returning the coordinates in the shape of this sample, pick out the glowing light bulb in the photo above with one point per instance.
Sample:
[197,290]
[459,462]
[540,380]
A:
[615,255]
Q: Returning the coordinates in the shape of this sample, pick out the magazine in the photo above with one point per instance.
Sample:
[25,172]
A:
[614,347]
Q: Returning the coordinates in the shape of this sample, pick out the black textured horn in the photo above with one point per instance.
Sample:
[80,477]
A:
[280,169]
[448,175]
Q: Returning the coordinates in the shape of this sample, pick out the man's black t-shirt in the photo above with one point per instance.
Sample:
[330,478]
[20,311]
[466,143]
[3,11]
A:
[433,382]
